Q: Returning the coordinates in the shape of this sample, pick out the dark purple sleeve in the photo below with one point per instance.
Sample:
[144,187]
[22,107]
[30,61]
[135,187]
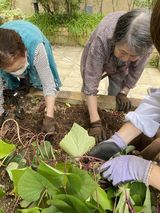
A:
[93,66]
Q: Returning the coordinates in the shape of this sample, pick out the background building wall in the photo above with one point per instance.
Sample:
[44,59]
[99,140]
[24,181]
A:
[25,5]
[104,6]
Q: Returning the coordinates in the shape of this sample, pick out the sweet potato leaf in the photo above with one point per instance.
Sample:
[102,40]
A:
[77,142]
[6,149]
[32,184]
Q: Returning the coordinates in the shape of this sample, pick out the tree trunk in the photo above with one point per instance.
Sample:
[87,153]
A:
[101,7]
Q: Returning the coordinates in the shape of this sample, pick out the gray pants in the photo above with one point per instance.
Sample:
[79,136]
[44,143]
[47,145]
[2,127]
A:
[116,82]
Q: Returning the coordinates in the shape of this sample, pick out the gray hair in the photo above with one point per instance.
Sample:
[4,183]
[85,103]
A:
[133,28]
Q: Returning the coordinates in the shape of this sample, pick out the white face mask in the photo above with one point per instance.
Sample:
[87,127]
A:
[20,71]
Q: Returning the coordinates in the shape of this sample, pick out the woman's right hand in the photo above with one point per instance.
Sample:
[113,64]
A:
[96,128]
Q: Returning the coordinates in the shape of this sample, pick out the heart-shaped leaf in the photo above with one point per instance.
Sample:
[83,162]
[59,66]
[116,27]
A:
[77,142]
[6,149]
[31,185]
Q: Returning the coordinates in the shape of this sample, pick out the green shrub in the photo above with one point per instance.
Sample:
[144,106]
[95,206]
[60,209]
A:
[144,3]
[45,22]
[154,61]
[78,25]
[5,4]
[8,15]
[83,24]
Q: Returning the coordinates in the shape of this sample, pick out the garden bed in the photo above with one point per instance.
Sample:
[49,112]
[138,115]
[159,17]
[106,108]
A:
[65,116]
[26,135]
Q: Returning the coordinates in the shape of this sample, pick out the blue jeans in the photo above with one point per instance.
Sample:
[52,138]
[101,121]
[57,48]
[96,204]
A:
[116,82]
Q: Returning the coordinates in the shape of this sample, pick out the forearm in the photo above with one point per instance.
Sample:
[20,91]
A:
[147,115]
[128,132]
[154,177]
[92,108]
[50,103]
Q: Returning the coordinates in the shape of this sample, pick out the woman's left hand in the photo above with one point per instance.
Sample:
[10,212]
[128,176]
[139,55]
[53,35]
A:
[126,168]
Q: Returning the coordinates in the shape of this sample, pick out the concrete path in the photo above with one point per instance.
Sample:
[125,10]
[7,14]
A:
[68,63]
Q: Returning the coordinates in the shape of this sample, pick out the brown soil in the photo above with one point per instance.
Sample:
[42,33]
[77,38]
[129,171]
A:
[30,130]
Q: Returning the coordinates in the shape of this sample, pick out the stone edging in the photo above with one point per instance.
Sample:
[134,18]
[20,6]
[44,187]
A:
[104,101]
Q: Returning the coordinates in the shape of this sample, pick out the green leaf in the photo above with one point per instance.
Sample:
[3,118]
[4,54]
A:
[6,149]
[77,142]
[71,204]
[60,204]
[25,204]
[55,176]
[1,211]
[138,209]
[126,209]
[122,206]
[129,149]
[45,150]
[11,166]
[87,187]
[46,169]
[31,185]
[74,184]
[16,175]
[147,202]
[2,192]
[64,167]
[51,209]
[140,196]
[137,199]
[111,192]
[18,158]
[94,208]
[31,210]
[101,197]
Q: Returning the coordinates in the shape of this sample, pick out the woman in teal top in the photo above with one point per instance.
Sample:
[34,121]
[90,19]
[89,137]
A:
[26,53]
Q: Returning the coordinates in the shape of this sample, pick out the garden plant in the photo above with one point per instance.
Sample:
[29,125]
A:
[53,173]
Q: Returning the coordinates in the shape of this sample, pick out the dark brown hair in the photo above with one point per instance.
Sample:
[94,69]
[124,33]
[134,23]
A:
[11,47]
[155,25]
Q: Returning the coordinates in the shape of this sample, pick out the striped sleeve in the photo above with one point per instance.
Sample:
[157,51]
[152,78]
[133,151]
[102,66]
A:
[45,73]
